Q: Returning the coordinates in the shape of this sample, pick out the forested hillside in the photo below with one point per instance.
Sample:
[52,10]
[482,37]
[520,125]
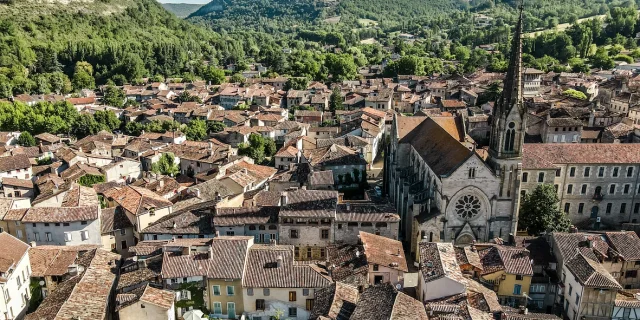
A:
[181,10]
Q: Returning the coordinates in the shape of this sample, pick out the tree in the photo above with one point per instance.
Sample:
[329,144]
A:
[335,100]
[269,147]
[237,78]
[196,130]
[85,125]
[539,211]
[257,148]
[575,94]
[26,139]
[341,67]
[107,120]
[114,97]
[133,128]
[602,60]
[214,75]
[166,165]
[83,76]
[88,180]
[216,126]
[185,96]
[296,83]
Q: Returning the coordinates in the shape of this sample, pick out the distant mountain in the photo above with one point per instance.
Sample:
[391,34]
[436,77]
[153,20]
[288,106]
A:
[182,10]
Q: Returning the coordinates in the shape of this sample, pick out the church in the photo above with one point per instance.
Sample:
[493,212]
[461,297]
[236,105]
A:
[446,190]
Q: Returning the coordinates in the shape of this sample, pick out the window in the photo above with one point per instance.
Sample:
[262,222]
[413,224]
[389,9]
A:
[587,171]
[517,289]
[305,292]
[19,282]
[525,176]
[7,297]
[612,189]
[292,296]
[324,234]
[616,170]
[308,253]
[65,224]
[519,277]
[293,234]
[84,234]
[216,290]
[609,206]
[83,223]
[375,267]
[309,305]
[322,253]
[631,274]
[580,207]
[48,236]
[626,188]
[537,288]
[583,189]
[601,172]
[558,172]
[249,291]
[217,308]
[572,172]
[266,292]
[296,252]
[67,236]
[293,312]
[567,206]
[231,233]
[46,224]
[577,298]
[623,207]
[36,236]
[541,177]
[629,172]
[259,304]
[123,231]
[569,189]
[570,289]
[230,290]
[252,227]
[636,208]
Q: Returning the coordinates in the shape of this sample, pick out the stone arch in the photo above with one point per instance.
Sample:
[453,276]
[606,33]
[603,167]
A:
[462,197]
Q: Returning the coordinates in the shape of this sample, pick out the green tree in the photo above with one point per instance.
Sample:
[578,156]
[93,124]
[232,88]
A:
[237,78]
[602,60]
[335,100]
[107,119]
[88,180]
[83,76]
[166,165]
[185,96]
[256,148]
[269,147]
[575,94]
[341,67]
[133,128]
[26,139]
[85,125]
[216,126]
[196,130]
[539,211]
[296,83]
[114,96]
[214,75]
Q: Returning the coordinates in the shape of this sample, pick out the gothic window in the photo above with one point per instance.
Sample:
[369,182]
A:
[510,137]
[468,207]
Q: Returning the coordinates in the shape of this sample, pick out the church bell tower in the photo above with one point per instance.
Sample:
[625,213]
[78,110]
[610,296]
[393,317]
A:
[508,131]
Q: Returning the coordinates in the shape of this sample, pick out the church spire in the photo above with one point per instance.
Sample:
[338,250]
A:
[508,127]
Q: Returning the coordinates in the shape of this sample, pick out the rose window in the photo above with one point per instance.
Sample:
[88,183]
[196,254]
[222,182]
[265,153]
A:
[468,207]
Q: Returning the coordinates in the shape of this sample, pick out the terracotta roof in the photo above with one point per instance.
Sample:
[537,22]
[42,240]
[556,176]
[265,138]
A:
[337,301]
[287,151]
[626,243]
[319,178]
[137,200]
[584,153]
[366,212]
[272,266]
[310,203]
[442,152]
[408,308]
[18,161]
[380,298]
[185,222]
[383,251]
[591,273]
[12,252]
[245,215]
[161,298]
[55,260]
[17,183]
[510,259]
[467,255]
[628,298]
[453,104]
[439,260]
[226,262]
[113,219]
[48,137]
[60,214]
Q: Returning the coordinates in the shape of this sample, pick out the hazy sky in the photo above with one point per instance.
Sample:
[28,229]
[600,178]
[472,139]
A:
[185,1]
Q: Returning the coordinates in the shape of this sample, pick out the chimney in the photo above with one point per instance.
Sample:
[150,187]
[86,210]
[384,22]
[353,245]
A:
[524,310]
[174,225]
[218,197]
[279,262]
[210,250]
[160,184]
[283,199]
[348,205]
[511,238]
[32,244]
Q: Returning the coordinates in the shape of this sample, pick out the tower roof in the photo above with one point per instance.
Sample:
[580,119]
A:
[512,91]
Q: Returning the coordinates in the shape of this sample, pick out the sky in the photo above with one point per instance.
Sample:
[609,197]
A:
[185,1]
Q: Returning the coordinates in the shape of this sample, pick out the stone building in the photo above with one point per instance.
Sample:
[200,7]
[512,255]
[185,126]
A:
[596,183]
[436,174]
